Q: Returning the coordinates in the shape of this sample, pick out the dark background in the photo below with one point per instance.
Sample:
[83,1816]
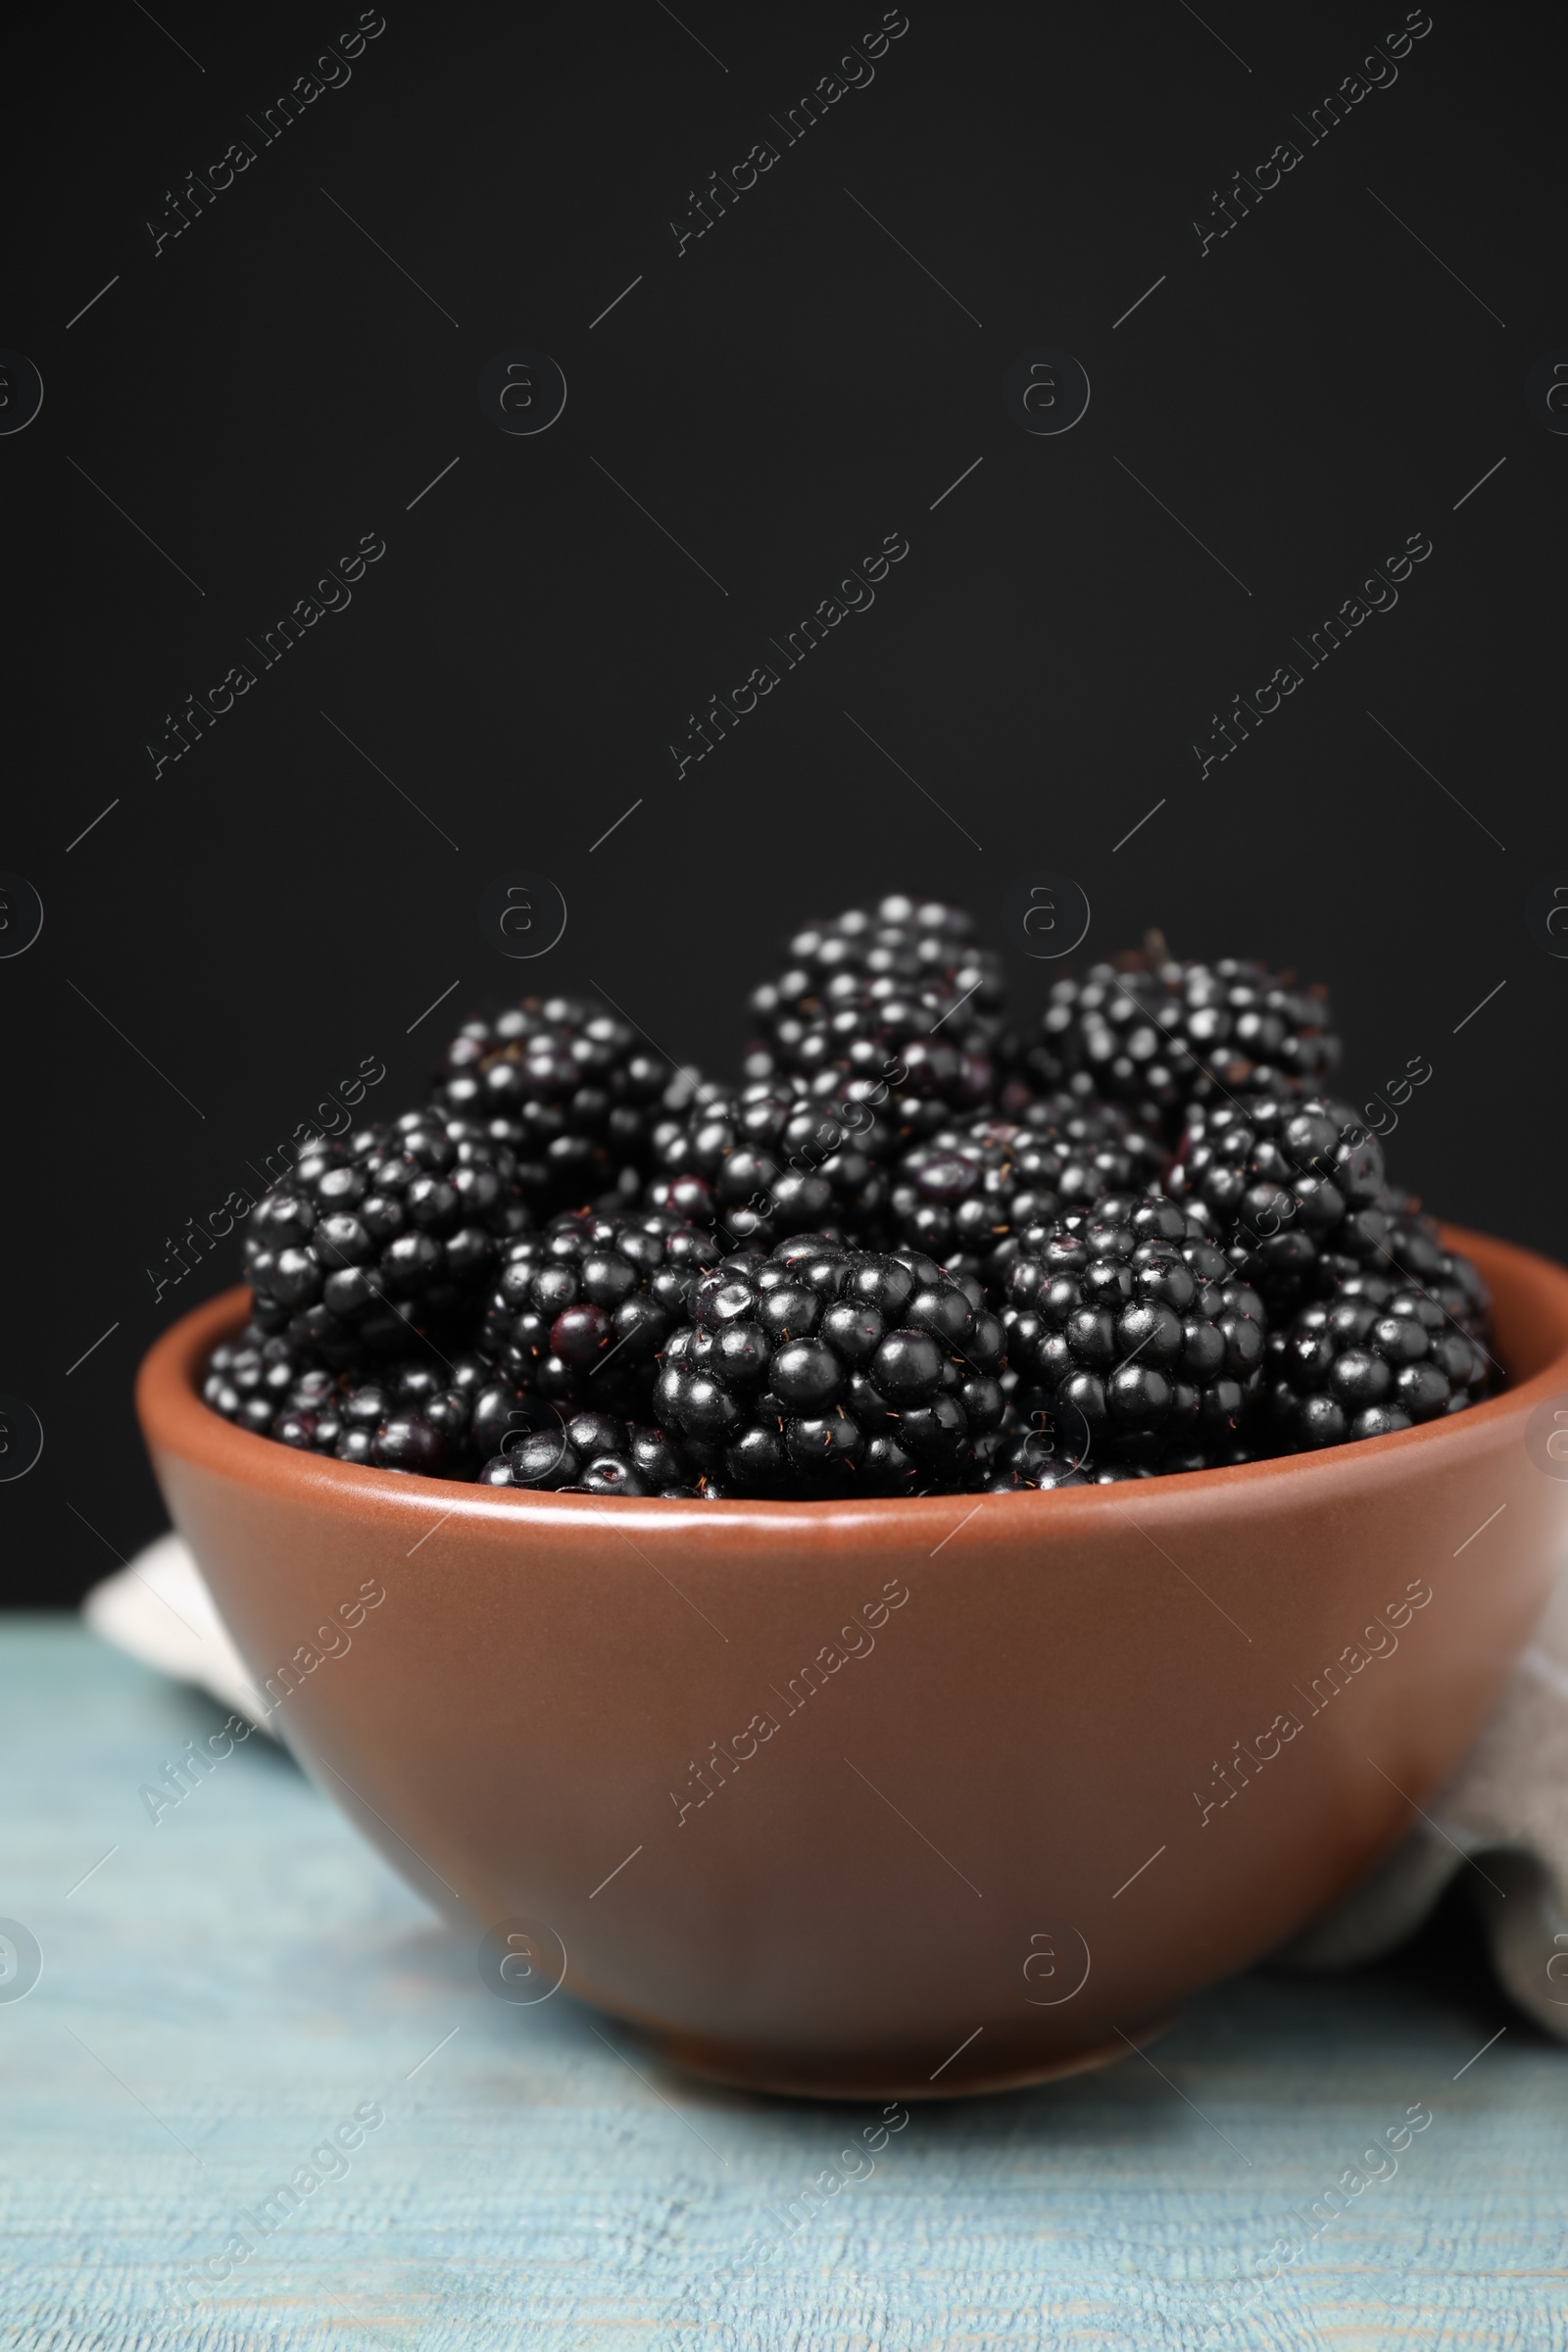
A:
[789,390]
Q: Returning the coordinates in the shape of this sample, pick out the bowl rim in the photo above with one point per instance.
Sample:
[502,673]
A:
[175,1419]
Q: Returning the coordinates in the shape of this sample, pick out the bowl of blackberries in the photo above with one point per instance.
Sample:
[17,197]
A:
[1106,1340]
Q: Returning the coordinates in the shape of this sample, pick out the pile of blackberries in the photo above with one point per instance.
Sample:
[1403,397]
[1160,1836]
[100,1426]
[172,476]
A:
[909,1250]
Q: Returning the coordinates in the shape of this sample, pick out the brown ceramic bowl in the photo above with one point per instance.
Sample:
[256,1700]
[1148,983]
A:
[894,1797]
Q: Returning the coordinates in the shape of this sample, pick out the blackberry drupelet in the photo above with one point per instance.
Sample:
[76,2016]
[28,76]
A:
[965,1195]
[568,1087]
[1292,1189]
[767,1162]
[578,1312]
[376,1240]
[1128,1316]
[1378,1355]
[1147,1029]
[826,1370]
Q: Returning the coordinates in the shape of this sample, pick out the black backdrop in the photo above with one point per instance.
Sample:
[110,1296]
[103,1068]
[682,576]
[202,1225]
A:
[288,373]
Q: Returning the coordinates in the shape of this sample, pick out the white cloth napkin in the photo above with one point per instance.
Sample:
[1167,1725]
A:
[1501,1825]
[1503,1821]
[160,1611]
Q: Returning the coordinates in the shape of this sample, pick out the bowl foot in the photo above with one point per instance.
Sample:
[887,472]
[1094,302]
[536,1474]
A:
[740,2068]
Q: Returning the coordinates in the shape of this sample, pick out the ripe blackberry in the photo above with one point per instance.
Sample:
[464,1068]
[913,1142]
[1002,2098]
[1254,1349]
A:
[1149,1029]
[1415,1250]
[826,1370]
[594,1454]
[568,1086]
[895,1007]
[1127,1316]
[1292,1189]
[967,1194]
[1032,1464]
[767,1162]
[578,1312]
[386,1236]
[1039,1458]
[248,1379]
[900,940]
[439,1419]
[1378,1355]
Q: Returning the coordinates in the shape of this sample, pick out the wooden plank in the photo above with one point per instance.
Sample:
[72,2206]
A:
[241,1977]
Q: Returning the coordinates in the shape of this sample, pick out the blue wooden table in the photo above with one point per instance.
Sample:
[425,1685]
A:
[237,2000]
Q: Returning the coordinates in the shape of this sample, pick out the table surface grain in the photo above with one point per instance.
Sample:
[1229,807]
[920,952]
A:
[236,1980]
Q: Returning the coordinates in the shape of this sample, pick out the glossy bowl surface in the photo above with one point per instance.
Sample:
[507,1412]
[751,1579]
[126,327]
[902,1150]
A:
[896,1798]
